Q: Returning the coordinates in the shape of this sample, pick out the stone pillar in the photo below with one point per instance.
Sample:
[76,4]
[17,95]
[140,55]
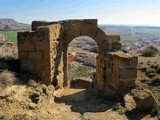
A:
[65,69]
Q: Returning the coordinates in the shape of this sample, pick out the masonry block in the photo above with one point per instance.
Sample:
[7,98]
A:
[35,55]
[23,55]
[24,65]
[26,47]
[116,45]
[121,70]
[42,46]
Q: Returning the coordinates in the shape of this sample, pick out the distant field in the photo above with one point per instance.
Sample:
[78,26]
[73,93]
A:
[129,33]
[10,35]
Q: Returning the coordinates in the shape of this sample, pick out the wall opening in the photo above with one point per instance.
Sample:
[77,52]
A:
[82,53]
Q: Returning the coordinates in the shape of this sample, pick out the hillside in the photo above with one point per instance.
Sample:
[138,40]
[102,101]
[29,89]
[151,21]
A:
[22,97]
[10,24]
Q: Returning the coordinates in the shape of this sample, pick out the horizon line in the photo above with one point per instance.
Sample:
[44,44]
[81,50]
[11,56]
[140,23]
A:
[119,24]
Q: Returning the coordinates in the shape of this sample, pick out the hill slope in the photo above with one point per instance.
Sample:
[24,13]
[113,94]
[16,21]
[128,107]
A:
[10,24]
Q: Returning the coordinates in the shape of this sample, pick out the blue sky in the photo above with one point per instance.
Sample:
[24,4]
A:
[133,12]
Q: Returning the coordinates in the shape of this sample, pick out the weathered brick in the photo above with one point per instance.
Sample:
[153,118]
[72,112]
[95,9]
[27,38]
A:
[31,66]
[35,55]
[24,65]
[42,46]
[42,67]
[26,47]
[23,55]
[46,55]
[27,65]
[116,45]
[114,38]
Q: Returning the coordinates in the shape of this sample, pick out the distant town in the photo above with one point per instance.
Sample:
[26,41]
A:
[82,51]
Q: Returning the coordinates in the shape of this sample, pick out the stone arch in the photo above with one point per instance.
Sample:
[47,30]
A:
[73,29]
[43,51]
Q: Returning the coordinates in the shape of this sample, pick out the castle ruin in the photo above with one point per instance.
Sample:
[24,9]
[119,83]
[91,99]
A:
[43,51]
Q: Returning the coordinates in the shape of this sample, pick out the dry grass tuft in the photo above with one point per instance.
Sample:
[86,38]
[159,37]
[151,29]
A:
[8,50]
[7,78]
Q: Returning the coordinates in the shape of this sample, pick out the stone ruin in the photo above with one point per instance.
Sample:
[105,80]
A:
[43,51]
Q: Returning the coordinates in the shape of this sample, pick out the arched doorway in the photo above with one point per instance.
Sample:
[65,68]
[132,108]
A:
[74,29]
[82,54]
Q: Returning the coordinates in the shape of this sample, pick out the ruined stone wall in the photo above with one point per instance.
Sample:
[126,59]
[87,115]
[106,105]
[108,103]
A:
[115,72]
[44,53]
[33,48]
[114,41]
[34,52]
[121,70]
[102,76]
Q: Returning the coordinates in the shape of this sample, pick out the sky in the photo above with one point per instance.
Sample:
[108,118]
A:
[121,12]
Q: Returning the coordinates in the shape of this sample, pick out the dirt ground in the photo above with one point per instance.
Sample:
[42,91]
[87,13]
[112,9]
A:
[71,104]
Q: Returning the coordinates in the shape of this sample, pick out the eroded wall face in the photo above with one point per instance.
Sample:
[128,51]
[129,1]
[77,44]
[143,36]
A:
[33,53]
[100,71]
[116,72]
[56,54]
[41,53]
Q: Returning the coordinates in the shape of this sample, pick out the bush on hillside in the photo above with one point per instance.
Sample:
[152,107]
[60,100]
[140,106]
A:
[150,51]
[150,72]
[156,81]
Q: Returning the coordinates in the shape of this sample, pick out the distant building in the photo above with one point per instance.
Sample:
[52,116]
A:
[71,58]
[90,61]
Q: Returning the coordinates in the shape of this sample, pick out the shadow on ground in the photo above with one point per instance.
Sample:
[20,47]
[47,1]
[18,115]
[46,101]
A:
[136,114]
[86,101]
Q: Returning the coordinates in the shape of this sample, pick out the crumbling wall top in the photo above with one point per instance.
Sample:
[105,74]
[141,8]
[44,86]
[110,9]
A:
[36,24]
[121,54]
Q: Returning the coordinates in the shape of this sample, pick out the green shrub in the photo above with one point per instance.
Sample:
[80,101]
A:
[150,51]
[2,118]
[150,72]
[79,71]
[158,69]
[147,81]
[143,68]
[156,81]
[20,117]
